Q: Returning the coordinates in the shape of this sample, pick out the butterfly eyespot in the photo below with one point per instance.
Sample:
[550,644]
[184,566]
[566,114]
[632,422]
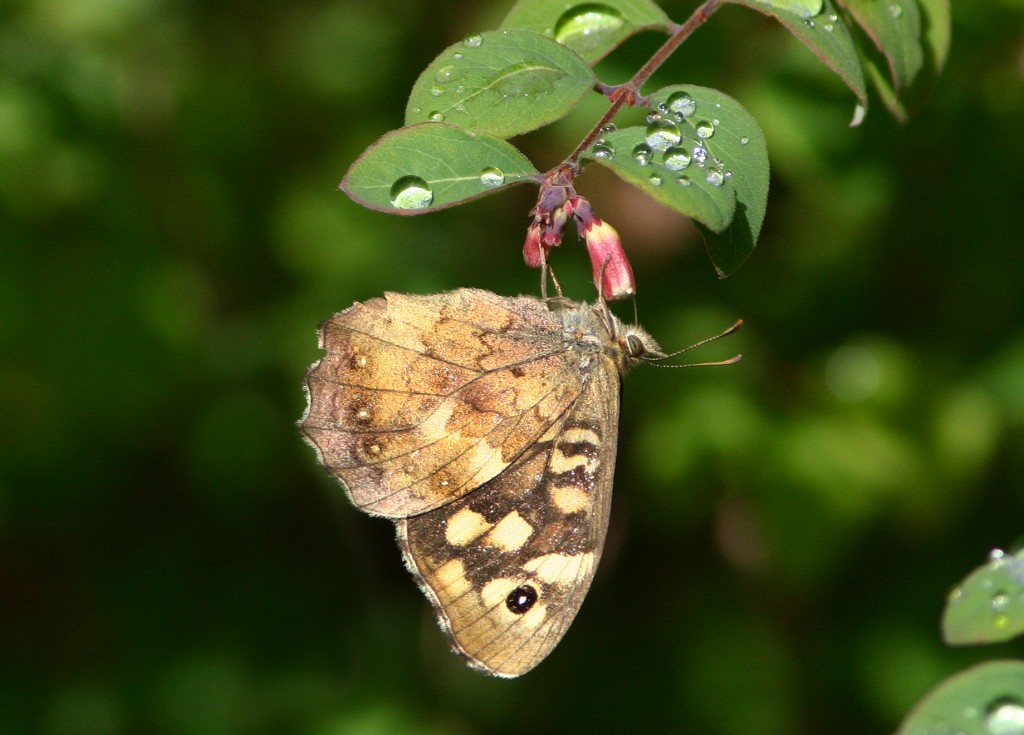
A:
[521,599]
[371,449]
[361,412]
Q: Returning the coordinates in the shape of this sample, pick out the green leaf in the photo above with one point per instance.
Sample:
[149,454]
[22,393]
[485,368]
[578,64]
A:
[590,29]
[828,36]
[988,606]
[894,26]
[501,82]
[739,143]
[726,193]
[430,166]
[987,699]
[935,22]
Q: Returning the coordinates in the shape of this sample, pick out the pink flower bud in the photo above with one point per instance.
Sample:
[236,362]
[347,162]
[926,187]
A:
[612,273]
[532,247]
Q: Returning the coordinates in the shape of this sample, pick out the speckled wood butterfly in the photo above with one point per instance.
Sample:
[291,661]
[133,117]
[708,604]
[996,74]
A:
[485,427]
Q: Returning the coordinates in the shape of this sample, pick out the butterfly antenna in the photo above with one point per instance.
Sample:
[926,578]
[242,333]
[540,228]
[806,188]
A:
[714,363]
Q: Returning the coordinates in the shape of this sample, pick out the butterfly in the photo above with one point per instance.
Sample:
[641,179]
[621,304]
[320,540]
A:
[485,428]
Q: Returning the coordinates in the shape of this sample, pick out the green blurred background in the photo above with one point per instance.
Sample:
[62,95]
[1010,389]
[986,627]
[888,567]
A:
[785,531]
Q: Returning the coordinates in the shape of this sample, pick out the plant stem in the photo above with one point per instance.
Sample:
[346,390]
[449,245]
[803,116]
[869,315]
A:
[629,93]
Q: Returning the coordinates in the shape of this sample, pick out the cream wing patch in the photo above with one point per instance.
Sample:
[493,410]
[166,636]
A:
[465,527]
[510,533]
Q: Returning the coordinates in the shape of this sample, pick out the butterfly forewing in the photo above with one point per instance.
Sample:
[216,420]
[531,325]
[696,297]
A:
[420,399]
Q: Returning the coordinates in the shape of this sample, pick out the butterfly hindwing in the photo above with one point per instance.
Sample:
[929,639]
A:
[507,566]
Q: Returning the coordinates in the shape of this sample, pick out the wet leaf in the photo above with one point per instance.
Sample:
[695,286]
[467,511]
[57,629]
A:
[501,82]
[740,145]
[988,606]
[827,35]
[894,26]
[590,29]
[430,166]
[987,699]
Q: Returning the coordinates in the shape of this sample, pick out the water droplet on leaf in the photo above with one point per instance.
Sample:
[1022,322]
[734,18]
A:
[445,74]
[602,149]
[895,10]
[654,179]
[699,155]
[474,41]
[411,192]
[492,176]
[676,159]
[744,140]
[588,26]
[1005,717]
[705,129]
[437,116]
[608,129]
[662,135]
[682,103]
[642,154]
[715,178]
[436,91]
[684,181]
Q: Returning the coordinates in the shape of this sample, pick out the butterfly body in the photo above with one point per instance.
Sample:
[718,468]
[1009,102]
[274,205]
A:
[485,427]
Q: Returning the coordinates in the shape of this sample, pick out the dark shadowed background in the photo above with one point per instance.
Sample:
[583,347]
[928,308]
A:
[172,559]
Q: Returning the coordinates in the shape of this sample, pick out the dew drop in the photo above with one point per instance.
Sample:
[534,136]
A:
[642,154]
[662,135]
[684,181]
[461,109]
[1000,600]
[457,56]
[473,41]
[436,116]
[1005,717]
[654,179]
[833,17]
[809,23]
[682,103]
[676,159]
[445,74]
[492,176]
[895,10]
[588,26]
[436,91]
[827,27]
[603,149]
[608,128]
[744,140]
[715,178]
[705,129]
[411,192]
[699,155]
